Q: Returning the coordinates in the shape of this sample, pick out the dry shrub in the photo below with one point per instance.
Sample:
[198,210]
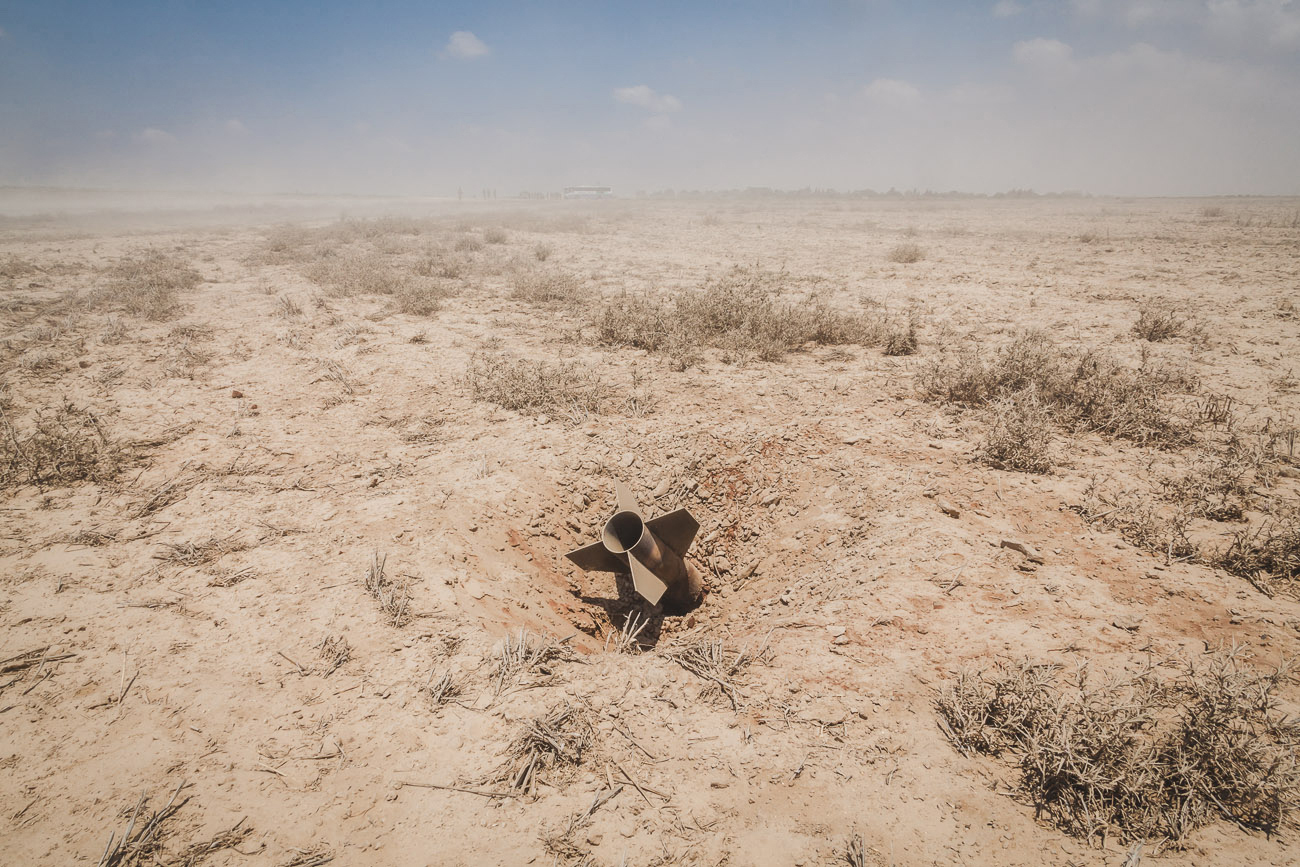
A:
[906,254]
[495,235]
[742,313]
[1020,434]
[547,286]
[1268,555]
[902,339]
[1140,522]
[441,264]
[1216,487]
[1089,391]
[542,252]
[468,244]
[418,299]
[557,741]
[69,444]
[147,286]
[521,384]
[1141,758]
[347,274]
[1160,319]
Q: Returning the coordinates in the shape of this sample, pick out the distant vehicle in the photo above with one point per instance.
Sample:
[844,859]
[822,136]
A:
[588,193]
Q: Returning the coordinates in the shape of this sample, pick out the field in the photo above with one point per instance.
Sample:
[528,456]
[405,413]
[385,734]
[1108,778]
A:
[999,515]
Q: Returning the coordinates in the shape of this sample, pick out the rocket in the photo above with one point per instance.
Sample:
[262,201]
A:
[654,551]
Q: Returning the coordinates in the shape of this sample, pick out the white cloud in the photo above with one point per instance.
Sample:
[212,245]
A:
[1043,54]
[464,45]
[235,126]
[892,92]
[1007,9]
[154,136]
[646,97]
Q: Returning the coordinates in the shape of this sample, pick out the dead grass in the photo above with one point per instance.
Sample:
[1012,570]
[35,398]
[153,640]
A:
[148,286]
[745,313]
[720,667]
[418,299]
[351,273]
[1160,319]
[627,639]
[442,689]
[1144,757]
[906,254]
[140,842]
[65,445]
[1019,435]
[1141,522]
[521,384]
[393,596]
[1267,555]
[199,553]
[557,741]
[334,652]
[1086,391]
[549,286]
[525,659]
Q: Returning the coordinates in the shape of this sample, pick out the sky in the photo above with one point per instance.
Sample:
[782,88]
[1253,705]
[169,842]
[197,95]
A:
[1125,97]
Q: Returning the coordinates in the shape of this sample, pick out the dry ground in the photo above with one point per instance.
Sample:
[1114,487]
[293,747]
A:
[269,541]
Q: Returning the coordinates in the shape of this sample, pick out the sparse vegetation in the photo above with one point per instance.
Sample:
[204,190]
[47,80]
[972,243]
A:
[1267,555]
[148,286]
[1160,320]
[347,275]
[742,313]
[1088,390]
[334,652]
[521,384]
[547,286]
[556,741]
[1020,434]
[721,668]
[1140,758]
[61,446]
[906,254]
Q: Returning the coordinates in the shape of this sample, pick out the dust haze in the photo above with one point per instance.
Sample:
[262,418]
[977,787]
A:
[967,335]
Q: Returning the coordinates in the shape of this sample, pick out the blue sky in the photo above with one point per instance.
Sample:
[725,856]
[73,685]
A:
[1145,97]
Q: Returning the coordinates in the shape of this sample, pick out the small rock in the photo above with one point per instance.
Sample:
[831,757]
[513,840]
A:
[947,508]
[475,589]
[594,839]
[721,563]
[851,439]
[771,498]
[628,459]
[840,639]
[579,501]
[662,488]
[836,631]
[1128,624]
[234,392]
[1027,550]
[543,419]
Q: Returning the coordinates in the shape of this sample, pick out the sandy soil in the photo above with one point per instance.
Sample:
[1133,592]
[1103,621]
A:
[817,480]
